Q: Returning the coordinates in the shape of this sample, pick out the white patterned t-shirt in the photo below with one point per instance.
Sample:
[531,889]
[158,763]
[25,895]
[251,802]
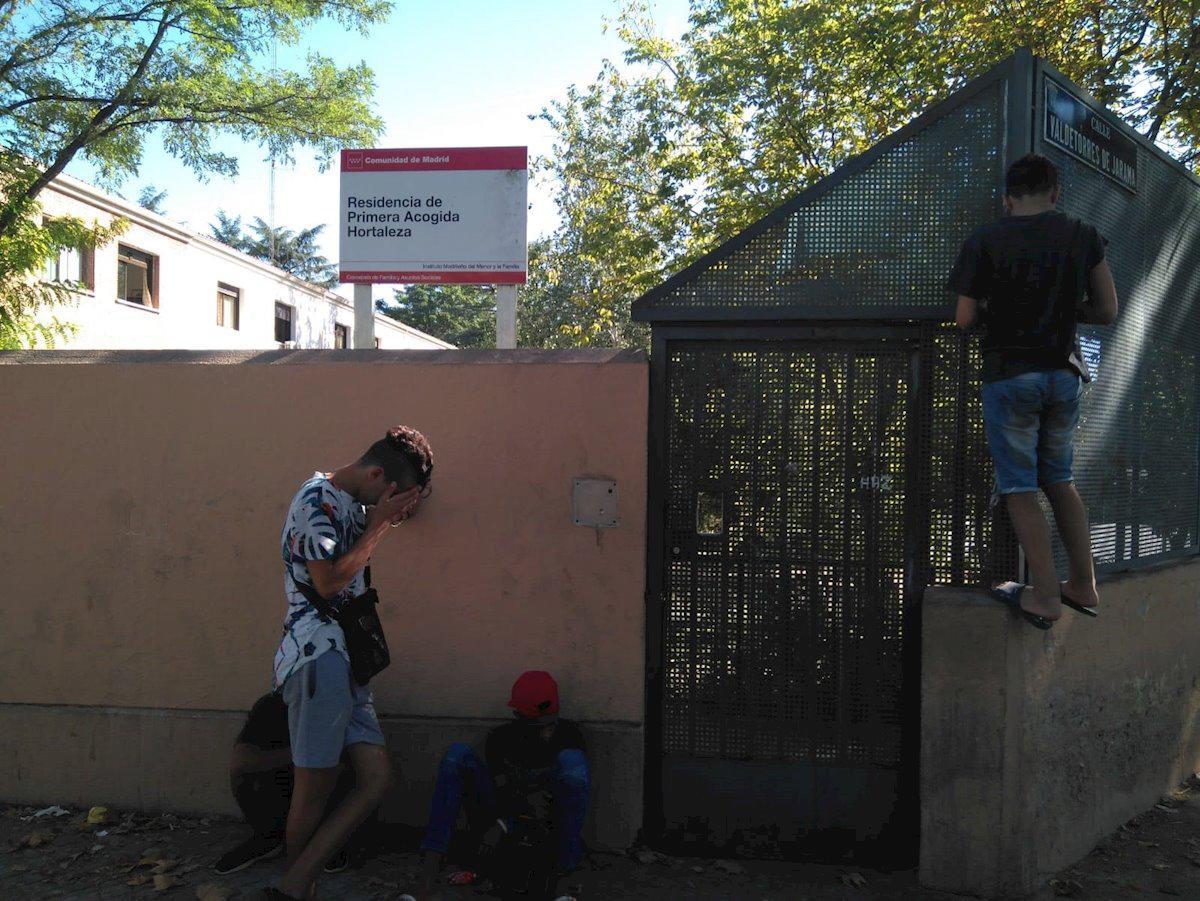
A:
[322,523]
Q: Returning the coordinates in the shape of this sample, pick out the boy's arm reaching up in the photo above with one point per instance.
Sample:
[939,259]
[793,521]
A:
[969,281]
[967,312]
[1100,308]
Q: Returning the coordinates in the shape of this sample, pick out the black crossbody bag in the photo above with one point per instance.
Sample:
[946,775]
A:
[365,641]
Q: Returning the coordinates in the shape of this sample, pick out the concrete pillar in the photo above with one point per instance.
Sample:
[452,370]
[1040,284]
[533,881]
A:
[364,317]
[506,316]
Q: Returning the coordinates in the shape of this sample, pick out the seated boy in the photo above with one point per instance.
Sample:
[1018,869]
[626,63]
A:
[537,751]
[260,774]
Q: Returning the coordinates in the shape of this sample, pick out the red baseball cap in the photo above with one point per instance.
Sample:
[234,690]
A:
[535,696]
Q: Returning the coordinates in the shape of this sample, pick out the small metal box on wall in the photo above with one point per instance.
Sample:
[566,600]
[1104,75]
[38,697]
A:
[594,503]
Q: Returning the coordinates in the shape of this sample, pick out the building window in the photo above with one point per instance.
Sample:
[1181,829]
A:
[341,336]
[137,276]
[283,322]
[72,266]
[229,303]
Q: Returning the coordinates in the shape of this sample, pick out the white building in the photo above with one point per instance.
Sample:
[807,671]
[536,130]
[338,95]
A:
[160,285]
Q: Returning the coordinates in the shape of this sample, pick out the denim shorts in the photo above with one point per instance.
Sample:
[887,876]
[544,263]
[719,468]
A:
[1030,421]
[328,711]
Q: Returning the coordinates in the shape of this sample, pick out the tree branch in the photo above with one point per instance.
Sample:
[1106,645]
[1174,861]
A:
[11,210]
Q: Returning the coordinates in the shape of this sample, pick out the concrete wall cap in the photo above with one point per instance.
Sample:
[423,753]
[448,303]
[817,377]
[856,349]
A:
[949,596]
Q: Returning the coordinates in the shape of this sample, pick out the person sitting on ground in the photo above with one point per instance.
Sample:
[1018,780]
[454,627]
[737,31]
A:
[334,523]
[260,774]
[1024,279]
[537,751]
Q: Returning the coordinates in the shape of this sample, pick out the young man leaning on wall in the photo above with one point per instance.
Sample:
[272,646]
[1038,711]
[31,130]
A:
[334,523]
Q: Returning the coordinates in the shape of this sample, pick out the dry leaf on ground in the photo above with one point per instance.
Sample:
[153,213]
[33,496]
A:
[139,879]
[97,816]
[855,880]
[165,882]
[36,839]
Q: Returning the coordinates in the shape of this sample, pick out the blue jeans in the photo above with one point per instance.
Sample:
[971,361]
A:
[464,778]
[1030,421]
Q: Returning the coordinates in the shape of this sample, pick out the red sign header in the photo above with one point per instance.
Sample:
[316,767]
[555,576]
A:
[425,159]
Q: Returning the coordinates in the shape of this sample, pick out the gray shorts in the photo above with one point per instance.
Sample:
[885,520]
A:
[327,711]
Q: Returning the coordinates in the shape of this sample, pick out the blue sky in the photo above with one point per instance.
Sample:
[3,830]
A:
[451,73]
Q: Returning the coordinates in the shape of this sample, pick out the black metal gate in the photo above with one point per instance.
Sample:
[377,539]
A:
[786,579]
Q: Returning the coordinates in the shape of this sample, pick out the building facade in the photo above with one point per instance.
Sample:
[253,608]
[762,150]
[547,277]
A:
[162,286]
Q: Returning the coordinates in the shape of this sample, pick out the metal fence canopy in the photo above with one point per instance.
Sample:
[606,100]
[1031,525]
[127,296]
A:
[818,456]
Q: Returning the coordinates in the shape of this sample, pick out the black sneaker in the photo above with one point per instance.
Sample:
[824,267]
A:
[339,862]
[252,850]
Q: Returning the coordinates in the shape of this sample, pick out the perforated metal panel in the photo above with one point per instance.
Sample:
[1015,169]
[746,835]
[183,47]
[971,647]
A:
[785,583]
[970,539]
[877,239]
[1136,458]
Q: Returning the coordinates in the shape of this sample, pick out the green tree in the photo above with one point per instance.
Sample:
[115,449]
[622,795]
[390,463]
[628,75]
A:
[463,315]
[694,138]
[98,78]
[152,199]
[295,252]
[228,230]
[565,304]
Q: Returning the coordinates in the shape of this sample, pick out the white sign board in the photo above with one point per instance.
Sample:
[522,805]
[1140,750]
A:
[450,215]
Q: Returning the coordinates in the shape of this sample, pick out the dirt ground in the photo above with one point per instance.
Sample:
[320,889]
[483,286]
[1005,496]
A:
[140,856]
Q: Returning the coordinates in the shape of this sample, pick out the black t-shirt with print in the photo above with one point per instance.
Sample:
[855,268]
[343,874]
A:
[519,757]
[516,746]
[1029,274]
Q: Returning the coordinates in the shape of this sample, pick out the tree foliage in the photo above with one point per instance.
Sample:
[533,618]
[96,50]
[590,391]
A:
[152,199]
[694,138]
[549,313]
[24,249]
[295,252]
[97,79]
[463,315]
[228,230]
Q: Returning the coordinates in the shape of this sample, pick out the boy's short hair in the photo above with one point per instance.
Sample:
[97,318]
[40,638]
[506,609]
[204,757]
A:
[405,456]
[1031,174]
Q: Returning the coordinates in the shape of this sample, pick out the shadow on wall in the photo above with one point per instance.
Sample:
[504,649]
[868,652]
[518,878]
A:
[1142,492]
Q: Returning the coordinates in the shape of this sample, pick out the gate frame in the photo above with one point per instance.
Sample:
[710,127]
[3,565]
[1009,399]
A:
[916,542]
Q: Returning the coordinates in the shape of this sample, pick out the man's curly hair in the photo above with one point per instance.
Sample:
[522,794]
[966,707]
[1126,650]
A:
[405,455]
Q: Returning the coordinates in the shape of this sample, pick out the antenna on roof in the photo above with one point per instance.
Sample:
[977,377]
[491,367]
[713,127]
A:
[271,179]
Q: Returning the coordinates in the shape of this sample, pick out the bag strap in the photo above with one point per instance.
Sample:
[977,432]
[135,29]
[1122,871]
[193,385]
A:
[314,597]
